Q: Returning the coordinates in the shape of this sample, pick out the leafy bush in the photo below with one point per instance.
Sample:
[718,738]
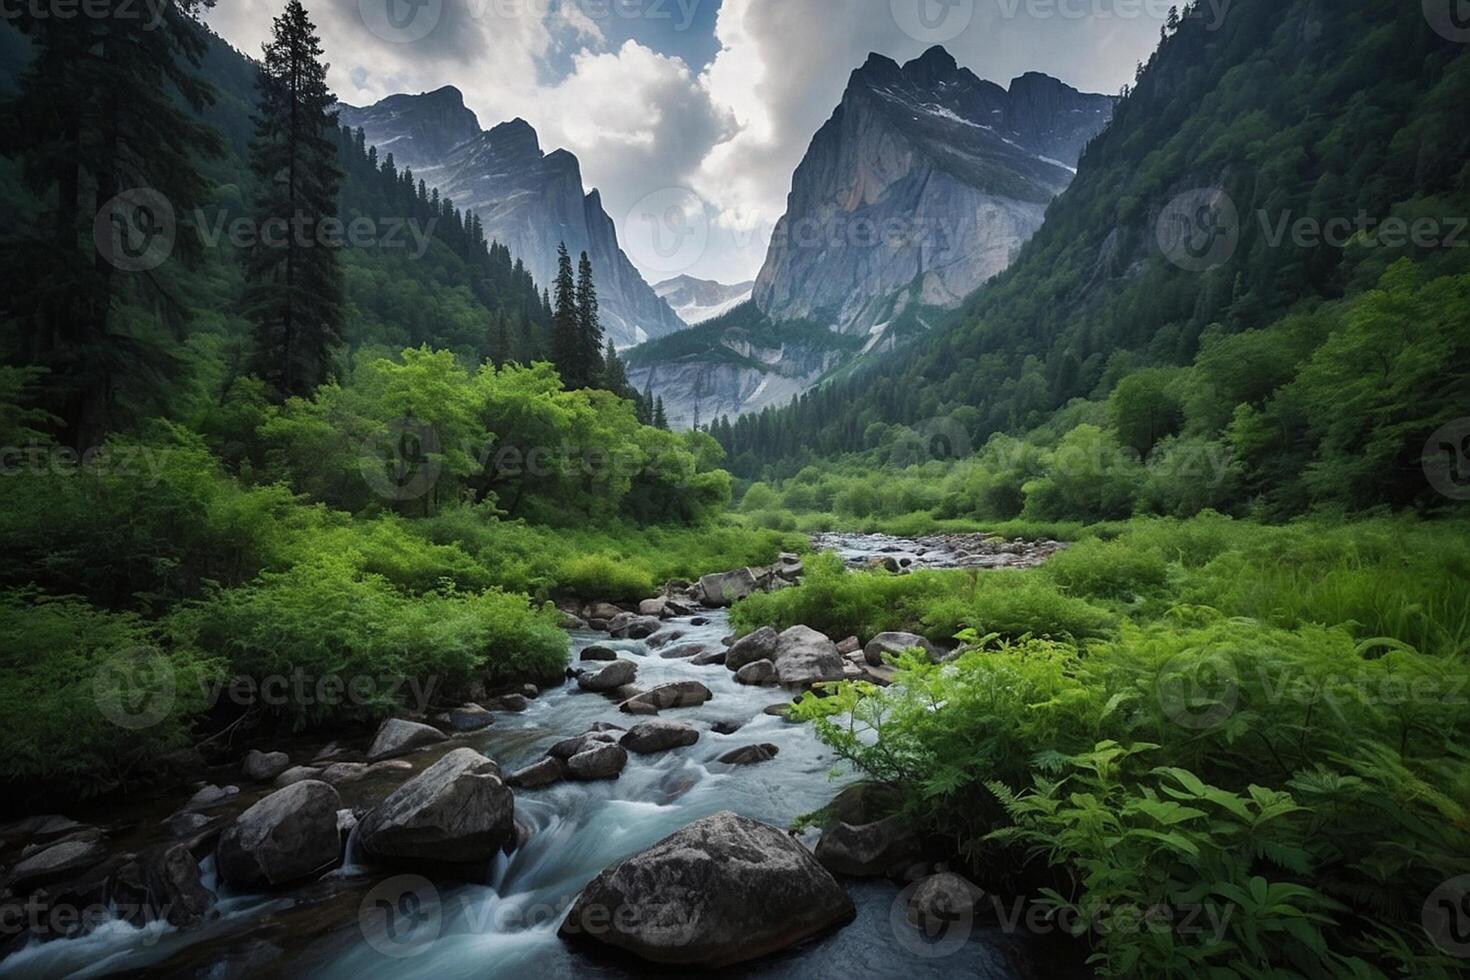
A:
[91,695]
[376,649]
[1107,569]
[606,577]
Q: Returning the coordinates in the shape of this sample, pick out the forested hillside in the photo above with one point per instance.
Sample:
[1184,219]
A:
[274,408]
[1313,342]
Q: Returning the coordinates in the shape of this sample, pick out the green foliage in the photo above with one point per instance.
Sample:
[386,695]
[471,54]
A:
[938,605]
[1281,764]
[72,670]
[605,577]
[329,622]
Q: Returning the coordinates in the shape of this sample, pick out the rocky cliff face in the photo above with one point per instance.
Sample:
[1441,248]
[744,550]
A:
[923,185]
[735,363]
[698,300]
[526,199]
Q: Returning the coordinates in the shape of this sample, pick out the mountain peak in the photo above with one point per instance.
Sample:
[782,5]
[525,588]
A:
[936,57]
[517,134]
[448,95]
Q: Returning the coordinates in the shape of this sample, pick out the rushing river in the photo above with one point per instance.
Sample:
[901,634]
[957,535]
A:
[507,928]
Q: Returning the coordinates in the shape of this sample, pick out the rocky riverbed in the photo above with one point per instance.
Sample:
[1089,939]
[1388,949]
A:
[463,843]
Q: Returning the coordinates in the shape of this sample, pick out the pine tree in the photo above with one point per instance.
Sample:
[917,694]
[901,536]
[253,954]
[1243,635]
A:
[660,420]
[589,329]
[614,375]
[295,294]
[103,124]
[566,346]
[500,352]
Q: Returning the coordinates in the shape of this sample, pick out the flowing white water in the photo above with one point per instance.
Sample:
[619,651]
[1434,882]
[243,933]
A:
[507,928]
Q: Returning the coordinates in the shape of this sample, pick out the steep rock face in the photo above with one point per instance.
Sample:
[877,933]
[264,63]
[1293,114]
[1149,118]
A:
[526,199]
[736,363]
[697,300]
[922,186]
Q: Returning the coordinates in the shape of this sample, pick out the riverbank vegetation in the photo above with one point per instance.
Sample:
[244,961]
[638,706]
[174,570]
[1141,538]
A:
[1171,715]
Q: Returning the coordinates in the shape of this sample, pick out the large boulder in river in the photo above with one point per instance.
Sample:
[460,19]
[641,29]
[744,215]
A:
[939,901]
[679,694]
[892,644]
[264,766]
[399,737]
[598,652]
[569,747]
[659,736]
[54,861]
[609,678]
[760,645]
[290,834]
[757,673]
[599,760]
[543,773]
[805,657]
[867,850]
[631,627]
[722,890]
[726,588]
[750,754]
[457,811]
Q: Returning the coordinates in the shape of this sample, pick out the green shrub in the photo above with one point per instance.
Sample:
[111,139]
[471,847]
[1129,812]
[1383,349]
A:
[91,695]
[606,577]
[1107,569]
[328,621]
[774,520]
[1014,605]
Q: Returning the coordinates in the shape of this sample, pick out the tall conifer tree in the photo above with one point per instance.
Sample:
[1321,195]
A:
[295,294]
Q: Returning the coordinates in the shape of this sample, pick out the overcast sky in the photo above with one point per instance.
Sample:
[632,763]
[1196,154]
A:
[699,106]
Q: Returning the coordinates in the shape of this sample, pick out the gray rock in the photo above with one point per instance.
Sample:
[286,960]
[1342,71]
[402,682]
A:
[603,610]
[596,652]
[941,900]
[760,645]
[727,727]
[609,678]
[679,694]
[850,645]
[470,718]
[805,657]
[658,736]
[211,796]
[654,607]
[341,773]
[184,823]
[711,658]
[866,850]
[749,754]
[756,673]
[542,773]
[288,835]
[297,774]
[509,702]
[457,811]
[663,638]
[569,747]
[687,651]
[722,890]
[399,737]
[55,861]
[891,644]
[630,626]
[264,766]
[600,761]
[726,588]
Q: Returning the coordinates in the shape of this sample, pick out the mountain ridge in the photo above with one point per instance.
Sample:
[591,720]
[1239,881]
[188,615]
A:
[526,198]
